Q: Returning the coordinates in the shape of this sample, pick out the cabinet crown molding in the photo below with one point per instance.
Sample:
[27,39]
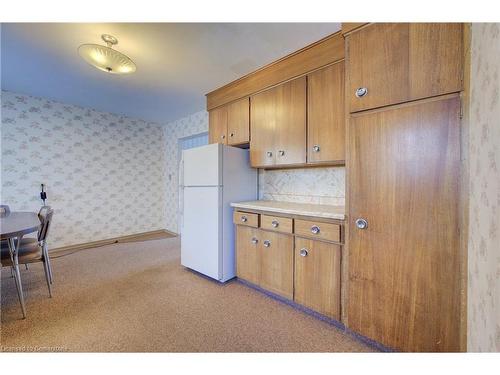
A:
[314,56]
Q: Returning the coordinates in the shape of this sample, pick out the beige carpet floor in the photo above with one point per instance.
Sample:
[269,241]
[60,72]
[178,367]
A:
[136,297]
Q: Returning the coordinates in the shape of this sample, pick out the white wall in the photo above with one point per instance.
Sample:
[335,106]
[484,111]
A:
[484,204]
[104,172]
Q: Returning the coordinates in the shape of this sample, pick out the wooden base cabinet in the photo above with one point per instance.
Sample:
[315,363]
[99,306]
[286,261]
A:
[317,276]
[265,259]
[277,263]
[296,258]
[248,254]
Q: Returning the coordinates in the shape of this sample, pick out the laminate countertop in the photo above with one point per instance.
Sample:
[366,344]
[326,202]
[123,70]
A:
[304,209]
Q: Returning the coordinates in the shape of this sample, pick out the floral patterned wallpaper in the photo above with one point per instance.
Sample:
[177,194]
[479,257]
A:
[99,168]
[185,127]
[104,173]
[484,204]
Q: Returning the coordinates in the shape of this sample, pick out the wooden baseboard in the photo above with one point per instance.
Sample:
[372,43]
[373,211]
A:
[145,236]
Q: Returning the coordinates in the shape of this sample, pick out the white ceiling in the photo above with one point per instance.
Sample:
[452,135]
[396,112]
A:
[177,63]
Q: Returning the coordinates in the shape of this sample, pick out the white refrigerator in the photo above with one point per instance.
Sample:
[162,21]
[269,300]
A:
[213,176]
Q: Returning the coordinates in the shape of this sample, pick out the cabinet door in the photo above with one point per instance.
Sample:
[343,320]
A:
[436,59]
[317,276]
[325,115]
[377,58]
[278,125]
[290,144]
[399,62]
[262,129]
[404,266]
[247,254]
[238,122]
[277,263]
[217,125]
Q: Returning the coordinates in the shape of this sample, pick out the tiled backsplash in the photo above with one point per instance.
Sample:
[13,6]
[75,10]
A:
[321,185]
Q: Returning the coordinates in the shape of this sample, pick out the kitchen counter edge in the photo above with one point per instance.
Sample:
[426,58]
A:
[302,209]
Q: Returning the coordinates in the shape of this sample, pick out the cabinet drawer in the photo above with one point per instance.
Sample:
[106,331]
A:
[245,218]
[314,229]
[276,223]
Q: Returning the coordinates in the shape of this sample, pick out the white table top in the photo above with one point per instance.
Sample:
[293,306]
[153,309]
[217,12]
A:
[15,224]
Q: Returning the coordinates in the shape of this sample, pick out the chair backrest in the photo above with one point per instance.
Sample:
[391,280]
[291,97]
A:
[4,209]
[45,216]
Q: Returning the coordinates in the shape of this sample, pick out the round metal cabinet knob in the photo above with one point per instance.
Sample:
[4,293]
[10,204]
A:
[231,135]
[314,229]
[303,252]
[222,136]
[361,223]
[275,223]
[281,153]
[316,148]
[269,154]
[360,92]
[267,243]
[244,219]
[255,241]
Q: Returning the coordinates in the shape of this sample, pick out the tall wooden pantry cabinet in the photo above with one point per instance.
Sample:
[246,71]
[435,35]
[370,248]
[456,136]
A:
[403,93]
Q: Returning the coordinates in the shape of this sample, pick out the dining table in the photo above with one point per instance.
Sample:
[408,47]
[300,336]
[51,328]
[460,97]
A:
[13,227]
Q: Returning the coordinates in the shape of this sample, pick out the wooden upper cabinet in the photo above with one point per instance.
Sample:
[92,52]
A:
[396,62]
[238,122]
[378,61]
[325,115]
[262,129]
[436,59]
[278,125]
[217,125]
[291,122]
[321,53]
[230,124]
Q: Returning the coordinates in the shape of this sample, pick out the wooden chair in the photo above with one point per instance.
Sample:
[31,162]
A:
[34,250]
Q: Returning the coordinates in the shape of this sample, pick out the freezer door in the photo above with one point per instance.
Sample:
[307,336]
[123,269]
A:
[202,166]
[202,231]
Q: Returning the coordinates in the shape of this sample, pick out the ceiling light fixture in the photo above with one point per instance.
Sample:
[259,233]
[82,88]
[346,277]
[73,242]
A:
[105,58]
